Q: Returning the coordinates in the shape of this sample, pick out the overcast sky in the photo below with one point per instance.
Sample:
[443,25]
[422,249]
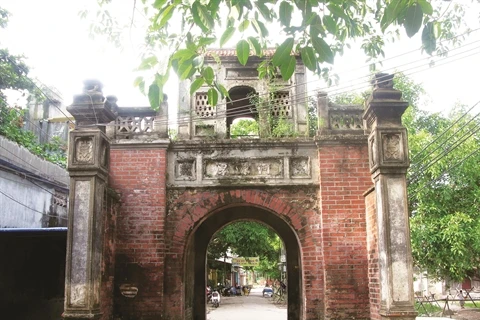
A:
[59,50]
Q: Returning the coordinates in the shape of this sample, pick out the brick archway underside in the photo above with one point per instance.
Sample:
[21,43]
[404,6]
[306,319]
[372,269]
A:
[195,216]
[197,248]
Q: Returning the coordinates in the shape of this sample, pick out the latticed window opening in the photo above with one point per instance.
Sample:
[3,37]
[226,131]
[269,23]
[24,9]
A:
[202,108]
[281,104]
[125,125]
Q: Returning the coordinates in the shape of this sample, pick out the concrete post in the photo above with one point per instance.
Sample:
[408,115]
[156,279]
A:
[322,111]
[88,168]
[388,153]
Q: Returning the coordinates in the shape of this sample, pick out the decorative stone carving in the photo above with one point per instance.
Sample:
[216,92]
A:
[128,290]
[185,170]
[84,150]
[300,167]
[346,121]
[392,149]
[77,296]
[231,168]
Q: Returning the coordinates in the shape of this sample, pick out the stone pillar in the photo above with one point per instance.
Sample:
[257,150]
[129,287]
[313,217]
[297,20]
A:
[388,153]
[322,112]
[88,168]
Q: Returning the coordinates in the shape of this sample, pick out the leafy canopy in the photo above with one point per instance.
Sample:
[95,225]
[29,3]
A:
[14,76]
[247,239]
[315,30]
[444,185]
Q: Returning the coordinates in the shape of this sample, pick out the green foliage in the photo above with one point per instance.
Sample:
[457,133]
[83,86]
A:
[444,190]
[14,76]
[316,31]
[444,185]
[244,128]
[247,239]
[11,127]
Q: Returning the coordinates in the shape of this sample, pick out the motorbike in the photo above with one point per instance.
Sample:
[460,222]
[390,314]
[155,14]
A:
[209,293]
[215,298]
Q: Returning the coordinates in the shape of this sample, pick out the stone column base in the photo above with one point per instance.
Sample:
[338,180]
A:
[80,316]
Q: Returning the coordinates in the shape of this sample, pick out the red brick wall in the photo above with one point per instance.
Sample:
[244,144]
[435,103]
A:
[344,177]
[139,175]
[372,248]
[330,222]
[189,207]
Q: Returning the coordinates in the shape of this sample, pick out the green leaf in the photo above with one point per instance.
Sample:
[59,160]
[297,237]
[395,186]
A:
[205,41]
[429,40]
[198,61]
[243,51]
[159,3]
[197,84]
[202,17]
[413,20]
[183,54]
[154,92]
[337,11]
[209,75]
[227,34]
[426,6]
[222,90]
[265,12]
[212,97]
[185,69]
[260,28]
[283,52]
[165,16]
[288,67]
[256,45]
[308,58]
[330,24]
[323,50]
[244,25]
[148,63]
[285,11]
[392,12]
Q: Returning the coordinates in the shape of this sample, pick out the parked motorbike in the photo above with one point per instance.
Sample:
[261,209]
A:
[209,293]
[215,299]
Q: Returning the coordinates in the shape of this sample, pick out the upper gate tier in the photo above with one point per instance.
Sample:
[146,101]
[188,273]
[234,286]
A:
[247,95]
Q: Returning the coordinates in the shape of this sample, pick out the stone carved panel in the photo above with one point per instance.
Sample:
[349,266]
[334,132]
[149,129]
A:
[392,147]
[204,130]
[78,271]
[84,150]
[234,168]
[185,170]
[346,121]
[238,73]
[300,167]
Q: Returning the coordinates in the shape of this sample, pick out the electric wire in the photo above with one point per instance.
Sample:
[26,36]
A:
[39,89]
[32,209]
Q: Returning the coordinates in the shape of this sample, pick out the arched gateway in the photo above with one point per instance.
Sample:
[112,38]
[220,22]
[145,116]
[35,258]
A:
[338,201]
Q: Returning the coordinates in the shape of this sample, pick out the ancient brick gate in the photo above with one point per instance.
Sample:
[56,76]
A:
[338,201]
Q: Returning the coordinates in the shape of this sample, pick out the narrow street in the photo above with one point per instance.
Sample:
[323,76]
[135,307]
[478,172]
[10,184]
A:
[253,306]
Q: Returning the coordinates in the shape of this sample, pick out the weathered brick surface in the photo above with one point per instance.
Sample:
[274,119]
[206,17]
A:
[154,225]
[138,175]
[344,177]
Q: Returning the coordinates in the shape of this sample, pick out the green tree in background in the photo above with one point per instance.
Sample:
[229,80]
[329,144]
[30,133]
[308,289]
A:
[444,184]
[316,30]
[247,239]
[14,76]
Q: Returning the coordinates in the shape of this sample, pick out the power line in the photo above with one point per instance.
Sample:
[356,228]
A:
[32,209]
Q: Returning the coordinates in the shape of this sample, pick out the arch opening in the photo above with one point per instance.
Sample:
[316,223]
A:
[195,262]
[240,105]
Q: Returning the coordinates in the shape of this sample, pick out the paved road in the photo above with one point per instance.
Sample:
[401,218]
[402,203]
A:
[249,307]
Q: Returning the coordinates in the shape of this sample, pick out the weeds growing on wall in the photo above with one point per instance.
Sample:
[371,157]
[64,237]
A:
[11,127]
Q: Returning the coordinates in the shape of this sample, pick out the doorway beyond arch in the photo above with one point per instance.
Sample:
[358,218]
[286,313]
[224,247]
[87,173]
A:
[195,262]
